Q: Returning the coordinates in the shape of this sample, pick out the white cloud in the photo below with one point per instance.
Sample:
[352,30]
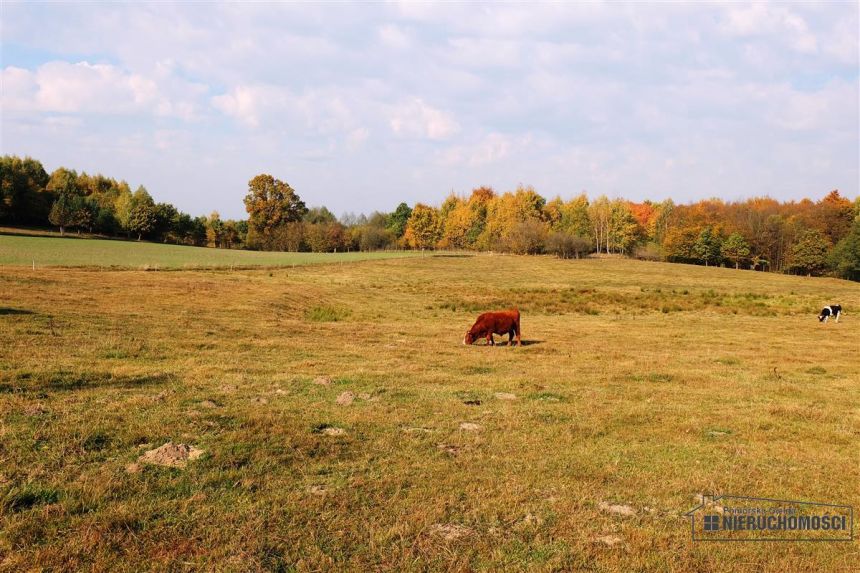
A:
[415,118]
[63,87]
[565,96]
[761,19]
[393,36]
[491,149]
[319,111]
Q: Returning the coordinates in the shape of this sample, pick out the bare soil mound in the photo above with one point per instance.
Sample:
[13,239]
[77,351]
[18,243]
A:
[171,455]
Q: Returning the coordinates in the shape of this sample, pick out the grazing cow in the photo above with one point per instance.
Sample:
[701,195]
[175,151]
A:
[833,310]
[489,323]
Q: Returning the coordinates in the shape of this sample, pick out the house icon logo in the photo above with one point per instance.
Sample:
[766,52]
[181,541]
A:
[712,522]
[739,518]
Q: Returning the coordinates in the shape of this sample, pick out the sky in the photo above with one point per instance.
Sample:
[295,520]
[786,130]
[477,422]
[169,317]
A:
[361,106]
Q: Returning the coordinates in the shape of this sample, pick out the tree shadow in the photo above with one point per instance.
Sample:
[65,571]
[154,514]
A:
[62,380]
[5,311]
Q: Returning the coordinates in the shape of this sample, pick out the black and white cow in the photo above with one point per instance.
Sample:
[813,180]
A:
[833,310]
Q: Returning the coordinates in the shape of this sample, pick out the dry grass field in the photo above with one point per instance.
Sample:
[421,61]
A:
[641,385]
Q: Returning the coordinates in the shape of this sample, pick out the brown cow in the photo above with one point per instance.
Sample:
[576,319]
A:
[489,323]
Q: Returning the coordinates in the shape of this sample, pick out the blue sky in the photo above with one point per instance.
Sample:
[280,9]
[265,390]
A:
[361,106]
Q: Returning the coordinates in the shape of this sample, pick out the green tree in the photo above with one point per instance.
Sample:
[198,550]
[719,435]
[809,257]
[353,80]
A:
[845,257]
[809,254]
[735,248]
[271,204]
[85,213]
[708,246]
[317,215]
[141,215]
[396,221]
[62,212]
[166,220]
[23,195]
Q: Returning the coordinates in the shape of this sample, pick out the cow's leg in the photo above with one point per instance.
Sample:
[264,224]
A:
[511,333]
[825,318]
[837,316]
[490,340]
[519,341]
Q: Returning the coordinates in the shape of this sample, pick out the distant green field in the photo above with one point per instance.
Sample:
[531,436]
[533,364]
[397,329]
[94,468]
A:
[70,252]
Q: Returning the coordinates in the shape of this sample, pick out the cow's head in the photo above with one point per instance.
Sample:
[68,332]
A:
[469,338]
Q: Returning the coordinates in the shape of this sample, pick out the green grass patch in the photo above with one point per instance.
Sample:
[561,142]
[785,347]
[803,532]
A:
[327,313]
[73,252]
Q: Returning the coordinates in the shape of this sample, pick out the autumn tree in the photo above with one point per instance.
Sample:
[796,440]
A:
[505,212]
[566,245]
[214,230]
[527,237]
[424,228]
[834,216]
[624,230]
[271,204]
[458,225]
[600,216]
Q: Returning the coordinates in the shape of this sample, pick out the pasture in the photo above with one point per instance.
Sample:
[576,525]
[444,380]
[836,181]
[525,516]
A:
[344,426]
[49,249]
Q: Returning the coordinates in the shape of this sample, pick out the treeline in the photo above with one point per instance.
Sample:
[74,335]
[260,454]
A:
[802,237]
[102,205]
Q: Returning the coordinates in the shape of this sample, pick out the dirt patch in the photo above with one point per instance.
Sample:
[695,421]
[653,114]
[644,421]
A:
[450,531]
[209,404]
[617,509]
[469,426]
[332,431]
[322,381]
[171,455]
[504,396]
[608,540]
[318,489]
[345,398]
[260,400]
